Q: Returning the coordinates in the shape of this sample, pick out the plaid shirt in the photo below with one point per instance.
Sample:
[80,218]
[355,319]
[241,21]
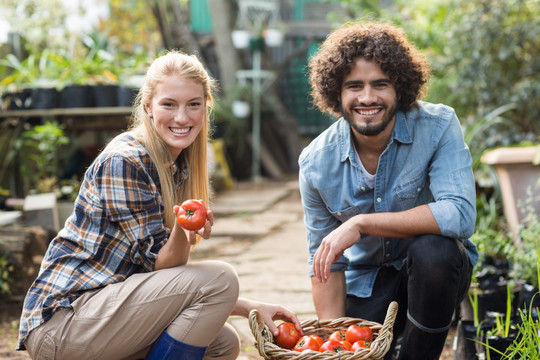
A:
[116,229]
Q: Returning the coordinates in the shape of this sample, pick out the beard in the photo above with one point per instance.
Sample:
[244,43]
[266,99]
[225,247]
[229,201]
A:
[370,129]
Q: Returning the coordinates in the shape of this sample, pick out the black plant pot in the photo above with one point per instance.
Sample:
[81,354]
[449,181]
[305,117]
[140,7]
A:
[126,95]
[16,100]
[498,343]
[77,96]
[44,98]
[105,95]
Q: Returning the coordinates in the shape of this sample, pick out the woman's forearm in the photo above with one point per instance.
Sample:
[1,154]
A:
[175,252]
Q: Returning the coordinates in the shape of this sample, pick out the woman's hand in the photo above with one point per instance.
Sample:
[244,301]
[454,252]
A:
[269,313]
[204,232]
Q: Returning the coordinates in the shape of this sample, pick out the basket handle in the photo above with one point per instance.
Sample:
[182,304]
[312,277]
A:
[387,327]
[260,330]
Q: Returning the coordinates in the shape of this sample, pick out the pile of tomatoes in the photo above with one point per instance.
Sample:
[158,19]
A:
[354,338]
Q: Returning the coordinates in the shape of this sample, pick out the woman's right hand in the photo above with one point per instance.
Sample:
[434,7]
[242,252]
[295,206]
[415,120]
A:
[204,232]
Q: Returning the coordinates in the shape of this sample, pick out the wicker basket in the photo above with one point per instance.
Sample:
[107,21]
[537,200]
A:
[382,338]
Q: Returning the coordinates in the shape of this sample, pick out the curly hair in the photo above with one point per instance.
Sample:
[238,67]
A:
[383,43]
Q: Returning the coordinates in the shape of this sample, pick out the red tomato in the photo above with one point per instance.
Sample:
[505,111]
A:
[347,345]
[332,345]
[191,214]
[355,333]
[318,339]
[360,344]
[288,335]
[338,335]
[307,343]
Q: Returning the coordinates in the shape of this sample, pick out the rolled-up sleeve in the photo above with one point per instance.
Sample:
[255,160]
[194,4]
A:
[452,184]
[318,220]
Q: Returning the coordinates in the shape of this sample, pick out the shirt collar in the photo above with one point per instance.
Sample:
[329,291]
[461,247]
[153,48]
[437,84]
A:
[402,133]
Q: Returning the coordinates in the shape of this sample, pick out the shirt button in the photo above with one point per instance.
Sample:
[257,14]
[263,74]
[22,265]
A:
[363,188]
[387,255]
[339,213]
[418,189]
[387,242]
[379,199]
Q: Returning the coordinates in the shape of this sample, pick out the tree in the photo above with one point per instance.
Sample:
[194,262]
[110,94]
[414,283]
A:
[222,13]
[173,20]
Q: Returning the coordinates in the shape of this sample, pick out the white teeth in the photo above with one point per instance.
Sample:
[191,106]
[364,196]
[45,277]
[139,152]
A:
[368,112]
[179,131]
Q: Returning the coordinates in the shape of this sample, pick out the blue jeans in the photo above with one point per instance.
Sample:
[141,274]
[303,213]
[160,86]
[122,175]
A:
[428,288]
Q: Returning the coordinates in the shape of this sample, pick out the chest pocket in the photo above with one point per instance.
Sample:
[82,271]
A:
[409,190]
[345,214]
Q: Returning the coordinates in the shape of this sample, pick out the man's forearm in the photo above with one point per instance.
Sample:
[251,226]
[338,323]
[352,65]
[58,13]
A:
[329,297]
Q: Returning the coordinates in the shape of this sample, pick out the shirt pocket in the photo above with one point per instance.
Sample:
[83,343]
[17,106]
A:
[344,214]
[409,189]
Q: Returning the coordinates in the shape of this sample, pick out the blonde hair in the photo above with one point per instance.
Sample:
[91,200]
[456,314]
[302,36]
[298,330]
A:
[197,184]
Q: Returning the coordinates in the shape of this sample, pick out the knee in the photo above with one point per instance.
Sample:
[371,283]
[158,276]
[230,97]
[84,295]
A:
[434,255]
[225,278]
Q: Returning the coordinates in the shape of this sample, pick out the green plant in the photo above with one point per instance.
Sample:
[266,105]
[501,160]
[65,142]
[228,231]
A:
[527,256]
[6,270]
[527,344]
[37,70]
[503,321]
[491,235]
[473,299]
[38,151]
[488,47]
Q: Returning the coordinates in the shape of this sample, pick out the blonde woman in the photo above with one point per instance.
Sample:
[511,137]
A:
[115,282]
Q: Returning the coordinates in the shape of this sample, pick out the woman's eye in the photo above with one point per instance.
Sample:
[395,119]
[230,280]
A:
[195,104]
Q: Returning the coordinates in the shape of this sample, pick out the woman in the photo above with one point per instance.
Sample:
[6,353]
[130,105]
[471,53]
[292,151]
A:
[116,283]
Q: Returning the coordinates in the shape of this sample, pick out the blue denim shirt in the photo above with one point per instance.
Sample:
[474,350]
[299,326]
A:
[426,161]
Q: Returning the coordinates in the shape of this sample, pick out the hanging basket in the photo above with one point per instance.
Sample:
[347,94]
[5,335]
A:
[382,338]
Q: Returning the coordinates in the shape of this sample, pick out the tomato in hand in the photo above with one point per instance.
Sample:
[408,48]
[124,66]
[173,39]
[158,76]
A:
[307,343]
[332,345]
[288,336]
[360,344]
[338,335]
[355,333]
[191,214]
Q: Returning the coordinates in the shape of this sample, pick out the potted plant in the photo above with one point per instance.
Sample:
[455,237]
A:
[76,91]
[38,150]
[518,170]
[15,95]
[39,74]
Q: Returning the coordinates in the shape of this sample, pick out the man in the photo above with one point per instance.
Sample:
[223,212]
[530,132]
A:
[388,191]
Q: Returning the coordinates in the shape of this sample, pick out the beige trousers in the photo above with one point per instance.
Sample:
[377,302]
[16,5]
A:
[123,320]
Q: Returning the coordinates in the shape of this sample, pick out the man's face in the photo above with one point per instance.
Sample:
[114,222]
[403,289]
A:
[368,98]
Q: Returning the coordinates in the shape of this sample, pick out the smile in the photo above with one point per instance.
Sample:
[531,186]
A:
[367,112]
[180,130]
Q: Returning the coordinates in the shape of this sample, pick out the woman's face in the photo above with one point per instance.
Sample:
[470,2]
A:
[177,108]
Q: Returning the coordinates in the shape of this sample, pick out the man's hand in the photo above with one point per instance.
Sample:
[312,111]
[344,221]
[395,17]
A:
[332,247]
